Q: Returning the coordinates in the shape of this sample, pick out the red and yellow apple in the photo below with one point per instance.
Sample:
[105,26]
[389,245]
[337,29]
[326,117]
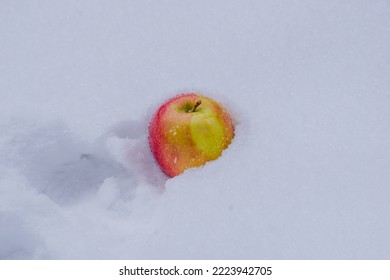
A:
[187,131]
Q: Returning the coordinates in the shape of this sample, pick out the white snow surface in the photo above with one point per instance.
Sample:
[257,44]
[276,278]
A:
[306,177]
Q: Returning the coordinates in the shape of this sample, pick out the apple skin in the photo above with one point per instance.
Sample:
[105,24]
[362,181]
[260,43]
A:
[181,138]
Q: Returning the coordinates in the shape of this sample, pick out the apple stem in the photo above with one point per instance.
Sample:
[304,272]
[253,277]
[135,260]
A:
[196,105]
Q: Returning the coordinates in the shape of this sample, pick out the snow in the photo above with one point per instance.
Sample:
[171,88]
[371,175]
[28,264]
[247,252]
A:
[306,176]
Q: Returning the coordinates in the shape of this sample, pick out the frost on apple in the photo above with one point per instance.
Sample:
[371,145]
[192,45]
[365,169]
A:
[188,131]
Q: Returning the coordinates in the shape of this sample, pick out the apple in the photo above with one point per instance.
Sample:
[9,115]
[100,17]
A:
[187,131]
